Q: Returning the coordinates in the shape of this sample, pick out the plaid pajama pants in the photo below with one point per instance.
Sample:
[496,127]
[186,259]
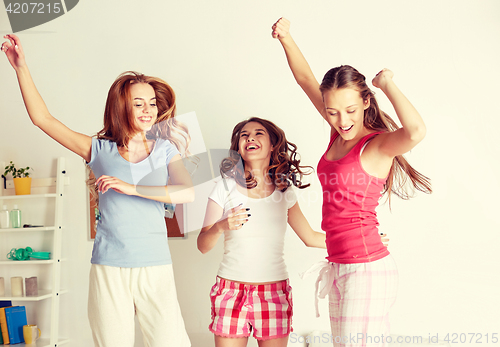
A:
[360,296]
[359,302]
[239,308]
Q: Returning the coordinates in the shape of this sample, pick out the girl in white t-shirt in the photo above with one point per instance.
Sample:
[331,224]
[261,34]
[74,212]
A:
[251,206]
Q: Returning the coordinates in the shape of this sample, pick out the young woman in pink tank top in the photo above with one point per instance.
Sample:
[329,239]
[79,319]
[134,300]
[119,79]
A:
[363,161]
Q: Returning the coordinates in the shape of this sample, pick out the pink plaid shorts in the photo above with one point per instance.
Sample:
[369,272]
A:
[238,308]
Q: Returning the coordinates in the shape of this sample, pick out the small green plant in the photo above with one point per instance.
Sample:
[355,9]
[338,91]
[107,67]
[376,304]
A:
[17,173]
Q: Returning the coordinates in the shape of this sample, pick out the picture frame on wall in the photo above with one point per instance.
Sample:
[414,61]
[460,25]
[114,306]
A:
[175,219]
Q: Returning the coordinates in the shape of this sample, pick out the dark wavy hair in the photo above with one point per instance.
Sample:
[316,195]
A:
[346,76]
[284,166]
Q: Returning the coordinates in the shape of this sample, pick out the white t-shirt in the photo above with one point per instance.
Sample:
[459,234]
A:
[254,253]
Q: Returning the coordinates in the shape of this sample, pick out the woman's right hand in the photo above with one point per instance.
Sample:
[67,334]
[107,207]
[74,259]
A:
[14,51]
[236,218]
[281,28]
[216,223]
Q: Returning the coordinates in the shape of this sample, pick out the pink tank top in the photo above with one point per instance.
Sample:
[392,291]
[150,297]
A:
[350,197]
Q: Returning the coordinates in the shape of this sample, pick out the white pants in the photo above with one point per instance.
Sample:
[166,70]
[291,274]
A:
[117,294]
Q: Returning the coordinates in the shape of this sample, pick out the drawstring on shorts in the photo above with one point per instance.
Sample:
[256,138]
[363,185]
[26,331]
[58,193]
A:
[324,282]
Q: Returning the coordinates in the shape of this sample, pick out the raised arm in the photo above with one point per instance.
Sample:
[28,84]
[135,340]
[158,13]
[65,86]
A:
[37,110]
[180,189]
[298,64]
[413,128]
[214,225]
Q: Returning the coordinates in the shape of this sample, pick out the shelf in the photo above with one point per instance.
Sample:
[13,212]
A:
[27,262]
[7,230]
[43,342]
[42,295]
[46,343]
[50,194]
[30,196]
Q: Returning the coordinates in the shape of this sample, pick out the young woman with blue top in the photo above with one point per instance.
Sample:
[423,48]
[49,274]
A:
[133,158]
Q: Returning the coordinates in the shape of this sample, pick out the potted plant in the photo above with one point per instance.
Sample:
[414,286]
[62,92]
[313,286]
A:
[22,181]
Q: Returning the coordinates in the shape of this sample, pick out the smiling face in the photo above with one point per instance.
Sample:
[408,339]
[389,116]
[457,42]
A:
[254,143]
[345,111]
[145,111]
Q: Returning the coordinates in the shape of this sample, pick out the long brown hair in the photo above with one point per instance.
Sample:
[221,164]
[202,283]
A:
[346,76]
[119,125]
[118,116]
[284,165]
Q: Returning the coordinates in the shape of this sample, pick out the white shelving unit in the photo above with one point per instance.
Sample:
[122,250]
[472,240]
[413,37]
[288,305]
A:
[55,188]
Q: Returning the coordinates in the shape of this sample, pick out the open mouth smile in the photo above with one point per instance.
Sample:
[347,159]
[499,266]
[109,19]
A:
[346,129]
[251,147]
[145,119]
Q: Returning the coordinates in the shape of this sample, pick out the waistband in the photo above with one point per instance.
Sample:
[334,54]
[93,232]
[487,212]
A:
[224,283]
[328,271]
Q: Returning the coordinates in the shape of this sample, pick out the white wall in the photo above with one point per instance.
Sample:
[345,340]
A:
[221,60]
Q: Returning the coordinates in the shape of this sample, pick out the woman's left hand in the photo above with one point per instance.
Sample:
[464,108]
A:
[382,78]
[384,239]
[104,183]
[281,28]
